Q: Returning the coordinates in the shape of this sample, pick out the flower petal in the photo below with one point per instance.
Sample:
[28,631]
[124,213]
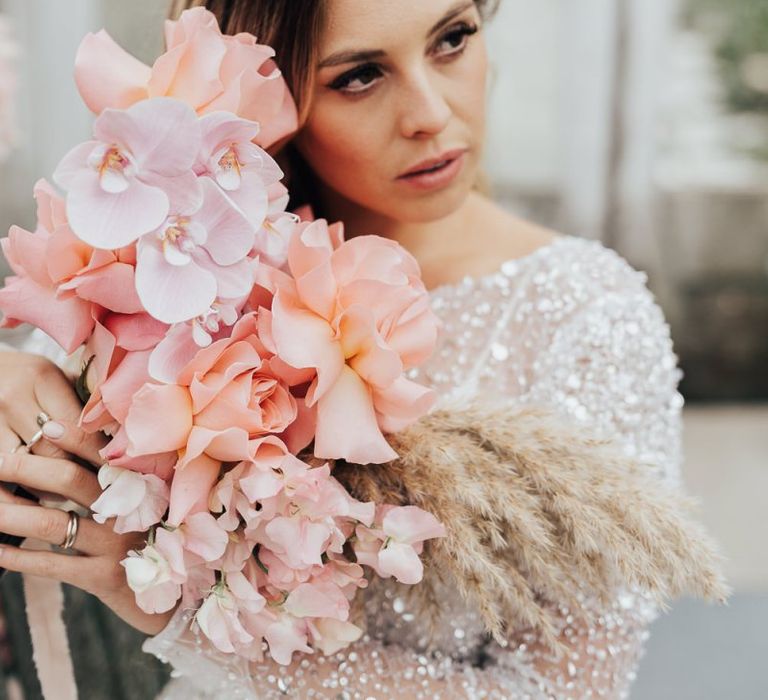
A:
[402,562]
[346,424]
[112,221]
[172,293]
[107,75]
[145,435]
[162,134]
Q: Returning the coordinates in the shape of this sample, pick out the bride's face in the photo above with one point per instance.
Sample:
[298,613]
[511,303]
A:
[398,82]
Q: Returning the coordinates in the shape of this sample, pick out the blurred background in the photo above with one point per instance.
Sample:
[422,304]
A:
[642,123]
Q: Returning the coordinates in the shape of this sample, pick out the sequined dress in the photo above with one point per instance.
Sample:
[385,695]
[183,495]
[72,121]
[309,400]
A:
[571,326]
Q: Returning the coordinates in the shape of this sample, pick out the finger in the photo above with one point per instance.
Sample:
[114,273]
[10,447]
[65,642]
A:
[61,477]
[8,496]
[21,416]
[73,440]
[55,393]
[9,493]
[8,439]
[50,525]
[62,567]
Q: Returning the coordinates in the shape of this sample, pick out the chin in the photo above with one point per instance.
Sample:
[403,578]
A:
[431,207]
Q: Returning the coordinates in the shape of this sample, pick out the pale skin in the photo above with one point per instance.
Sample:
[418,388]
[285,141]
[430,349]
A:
[422,94]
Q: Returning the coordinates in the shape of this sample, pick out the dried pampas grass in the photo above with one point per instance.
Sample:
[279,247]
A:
[536,511]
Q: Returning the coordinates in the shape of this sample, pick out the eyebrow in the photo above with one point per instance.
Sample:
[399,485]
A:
[353,56]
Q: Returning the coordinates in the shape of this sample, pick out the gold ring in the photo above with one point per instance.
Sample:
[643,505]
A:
[72,528]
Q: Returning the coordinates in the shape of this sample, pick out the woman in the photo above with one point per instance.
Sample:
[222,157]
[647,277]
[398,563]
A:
[392,103]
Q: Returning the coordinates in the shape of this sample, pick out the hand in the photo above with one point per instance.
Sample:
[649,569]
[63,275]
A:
[95,567]
[31,384]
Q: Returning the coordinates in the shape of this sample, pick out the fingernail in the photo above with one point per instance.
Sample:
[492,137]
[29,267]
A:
[53,430]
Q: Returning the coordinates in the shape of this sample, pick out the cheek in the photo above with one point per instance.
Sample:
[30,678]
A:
[342,155]
[470,92]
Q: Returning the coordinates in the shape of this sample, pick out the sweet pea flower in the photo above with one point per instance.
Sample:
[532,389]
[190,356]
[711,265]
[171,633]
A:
[317,599]
[252,481]
[219,616]
[403,531]
[156,573]
[123,184]
[285,634]
[242,169]
[330,635]
[202,67]
[195,257]
[358,313]
[136,501]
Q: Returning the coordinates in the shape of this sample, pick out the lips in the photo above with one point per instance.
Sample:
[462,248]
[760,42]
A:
[433,163]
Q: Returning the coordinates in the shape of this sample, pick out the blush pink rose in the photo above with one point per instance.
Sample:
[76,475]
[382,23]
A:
[358,314]
[206,69]
[61,284]
[224,398]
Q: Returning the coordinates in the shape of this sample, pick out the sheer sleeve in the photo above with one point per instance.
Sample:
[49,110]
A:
[609,365]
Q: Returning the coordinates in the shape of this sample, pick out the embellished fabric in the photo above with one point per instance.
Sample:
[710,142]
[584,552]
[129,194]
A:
[572,327]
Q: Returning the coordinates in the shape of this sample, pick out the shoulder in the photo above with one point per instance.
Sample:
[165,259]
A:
[594,308]
[572,275]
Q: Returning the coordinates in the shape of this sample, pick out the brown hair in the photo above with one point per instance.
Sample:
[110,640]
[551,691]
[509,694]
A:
[292,28]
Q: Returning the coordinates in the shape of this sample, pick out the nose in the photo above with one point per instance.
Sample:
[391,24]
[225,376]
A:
[425,110]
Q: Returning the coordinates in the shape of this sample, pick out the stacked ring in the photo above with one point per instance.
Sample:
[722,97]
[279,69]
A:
[72,528]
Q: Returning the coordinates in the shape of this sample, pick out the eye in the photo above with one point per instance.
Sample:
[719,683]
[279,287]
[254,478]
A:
[358,79]
[455,41]
[361,78]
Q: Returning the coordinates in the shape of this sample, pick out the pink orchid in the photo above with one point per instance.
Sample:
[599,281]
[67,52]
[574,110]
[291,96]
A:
[242,169]
[156,573]
[136,501]
[195,257]
[274,238]
[207,70]
[359,314]
[122,185]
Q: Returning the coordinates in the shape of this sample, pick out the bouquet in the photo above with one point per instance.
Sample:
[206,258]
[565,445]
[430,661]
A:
[251,368]
[228,347]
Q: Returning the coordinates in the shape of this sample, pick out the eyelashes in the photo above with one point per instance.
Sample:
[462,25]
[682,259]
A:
[367,73]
